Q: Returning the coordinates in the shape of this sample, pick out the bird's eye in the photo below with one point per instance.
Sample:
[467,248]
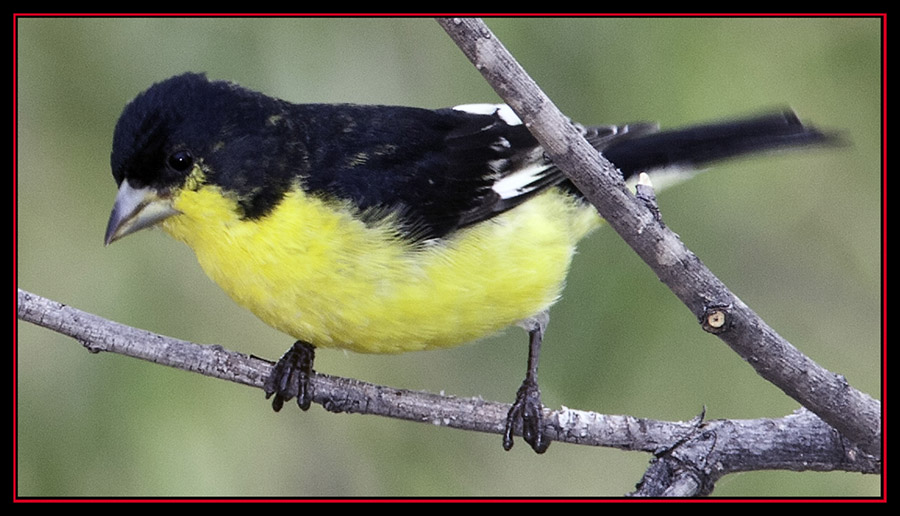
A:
[181,161]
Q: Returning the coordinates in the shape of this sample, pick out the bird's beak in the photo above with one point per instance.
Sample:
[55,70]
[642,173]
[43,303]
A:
[136,209]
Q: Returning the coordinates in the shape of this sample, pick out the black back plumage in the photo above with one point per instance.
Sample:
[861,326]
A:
[433,171]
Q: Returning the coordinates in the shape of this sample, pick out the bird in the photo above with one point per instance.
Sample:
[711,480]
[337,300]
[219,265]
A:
[383,229]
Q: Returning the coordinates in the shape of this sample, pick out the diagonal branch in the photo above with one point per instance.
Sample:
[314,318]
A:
[855,414]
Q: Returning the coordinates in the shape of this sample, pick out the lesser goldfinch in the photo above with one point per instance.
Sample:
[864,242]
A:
[381,229]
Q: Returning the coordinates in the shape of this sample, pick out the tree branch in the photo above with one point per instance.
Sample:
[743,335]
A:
[689,456]
[699,451]
[334,393]
[856,415]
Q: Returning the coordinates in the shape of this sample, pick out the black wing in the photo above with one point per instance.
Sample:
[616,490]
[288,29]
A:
[446,169]
[437,170]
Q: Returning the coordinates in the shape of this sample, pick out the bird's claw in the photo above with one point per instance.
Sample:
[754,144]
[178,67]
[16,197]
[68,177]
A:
[290,377]
[529,410]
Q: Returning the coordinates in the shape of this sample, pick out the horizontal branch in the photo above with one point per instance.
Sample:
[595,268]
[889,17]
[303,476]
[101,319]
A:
[338,394]
[855,414]
[705,450]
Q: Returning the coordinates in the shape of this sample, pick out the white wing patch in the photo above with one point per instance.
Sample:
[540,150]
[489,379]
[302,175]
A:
[501,110]
[518,182]
[521,181]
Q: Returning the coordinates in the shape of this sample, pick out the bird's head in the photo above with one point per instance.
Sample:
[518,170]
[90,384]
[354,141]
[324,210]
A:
[185,133]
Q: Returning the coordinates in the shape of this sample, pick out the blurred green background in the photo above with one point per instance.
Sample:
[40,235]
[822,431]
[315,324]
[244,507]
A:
[796,236]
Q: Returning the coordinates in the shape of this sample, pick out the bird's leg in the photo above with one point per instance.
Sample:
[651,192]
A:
[290,376]
[527,406]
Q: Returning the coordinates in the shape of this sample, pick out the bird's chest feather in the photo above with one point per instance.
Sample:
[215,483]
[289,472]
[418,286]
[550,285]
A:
[313,271]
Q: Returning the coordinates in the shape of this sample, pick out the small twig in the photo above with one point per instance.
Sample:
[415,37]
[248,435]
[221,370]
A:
[721,447]
[855,414]
[646,194]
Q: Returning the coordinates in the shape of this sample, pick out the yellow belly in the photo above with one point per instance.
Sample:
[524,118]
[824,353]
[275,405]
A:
[309,269]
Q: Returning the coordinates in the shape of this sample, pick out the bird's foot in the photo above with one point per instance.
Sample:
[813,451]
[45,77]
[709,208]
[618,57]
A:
[529,410]
[290,377]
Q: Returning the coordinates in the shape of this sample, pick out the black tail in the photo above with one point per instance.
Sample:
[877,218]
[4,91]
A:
[697,145]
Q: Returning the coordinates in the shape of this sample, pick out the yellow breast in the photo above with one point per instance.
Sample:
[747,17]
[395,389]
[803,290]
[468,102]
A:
[313,271]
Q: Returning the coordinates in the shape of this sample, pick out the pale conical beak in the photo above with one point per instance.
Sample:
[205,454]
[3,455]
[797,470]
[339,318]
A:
[136,209]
